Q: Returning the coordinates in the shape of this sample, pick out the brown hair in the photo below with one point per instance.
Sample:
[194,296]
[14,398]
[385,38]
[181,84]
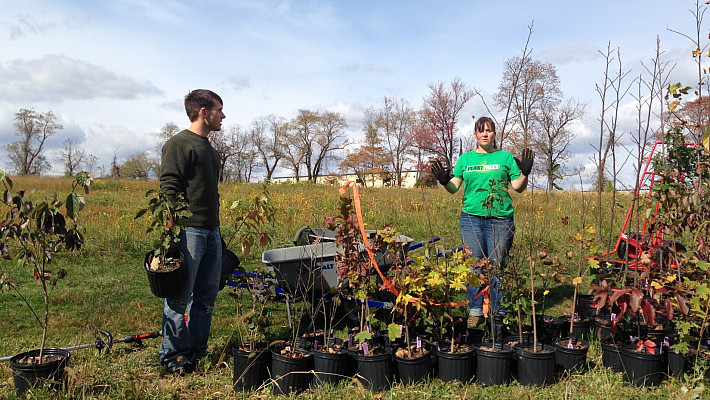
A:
[195,100]
[481,125]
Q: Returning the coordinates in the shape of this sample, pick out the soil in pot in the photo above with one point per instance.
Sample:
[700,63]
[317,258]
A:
[251,367]
[459,365]
[166,280]
[413,364]
[493,366]
[571,356]
[290,369]
[29,373]
[535,368]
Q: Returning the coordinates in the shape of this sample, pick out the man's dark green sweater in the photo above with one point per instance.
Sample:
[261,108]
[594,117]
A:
[190,165]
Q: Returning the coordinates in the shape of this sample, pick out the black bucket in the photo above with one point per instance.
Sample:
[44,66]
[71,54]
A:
[251,368]
[52,374]
[535,368]
[493,367]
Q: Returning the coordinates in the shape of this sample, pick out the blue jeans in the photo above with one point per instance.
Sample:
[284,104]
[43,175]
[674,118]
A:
[490,238]
[187,340]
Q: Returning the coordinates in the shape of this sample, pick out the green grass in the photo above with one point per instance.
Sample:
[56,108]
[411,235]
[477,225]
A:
[106,288]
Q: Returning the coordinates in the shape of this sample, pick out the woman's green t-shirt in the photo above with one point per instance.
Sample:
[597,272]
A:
[485,178]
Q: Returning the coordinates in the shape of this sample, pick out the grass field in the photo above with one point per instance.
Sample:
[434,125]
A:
[107,288]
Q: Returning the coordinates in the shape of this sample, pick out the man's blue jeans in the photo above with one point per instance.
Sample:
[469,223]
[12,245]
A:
[490,238]
[184,341]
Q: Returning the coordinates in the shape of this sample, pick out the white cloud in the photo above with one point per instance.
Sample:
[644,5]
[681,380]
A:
[26,24]
[58,78]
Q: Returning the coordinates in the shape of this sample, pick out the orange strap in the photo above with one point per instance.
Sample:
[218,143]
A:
[361,225]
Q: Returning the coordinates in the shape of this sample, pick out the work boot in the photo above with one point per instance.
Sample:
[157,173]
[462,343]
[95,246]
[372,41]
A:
[474,321]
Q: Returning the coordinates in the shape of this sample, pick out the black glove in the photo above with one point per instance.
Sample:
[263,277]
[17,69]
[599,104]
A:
[525,163]
[443,175]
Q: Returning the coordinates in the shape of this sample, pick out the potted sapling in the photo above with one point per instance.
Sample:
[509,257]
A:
[163,262]
[33,233]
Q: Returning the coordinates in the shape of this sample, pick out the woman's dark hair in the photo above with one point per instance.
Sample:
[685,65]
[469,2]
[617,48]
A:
[481,125]
[195,100]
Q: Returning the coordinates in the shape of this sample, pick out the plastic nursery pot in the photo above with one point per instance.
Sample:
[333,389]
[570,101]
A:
[493,366]
[457,366]
[584,308]
[50,374]
[329,366]
[164,284]
[251,368]
[415,369]
[571,358]
[549,328]
[535,368]
[611,355]
[641,368]
[375,370]
[601,329]
[580,330]
[290,371]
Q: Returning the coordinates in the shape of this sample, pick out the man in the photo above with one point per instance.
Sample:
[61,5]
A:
[190,165]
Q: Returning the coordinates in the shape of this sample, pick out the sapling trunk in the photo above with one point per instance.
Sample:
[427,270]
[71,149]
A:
[532,296]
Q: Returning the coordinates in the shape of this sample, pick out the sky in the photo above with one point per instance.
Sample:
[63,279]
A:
[115,71]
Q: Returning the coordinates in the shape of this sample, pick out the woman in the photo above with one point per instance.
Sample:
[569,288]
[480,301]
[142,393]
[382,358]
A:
[486,222]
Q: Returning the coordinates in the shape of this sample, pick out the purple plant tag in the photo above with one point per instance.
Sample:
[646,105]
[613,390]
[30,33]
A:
[315,345]
[350,340]
[401,328]
[437,346]
[367,328]
[466,335]
[613,316]
[576,317]
[365,348]
[419,342]
[570,346]
[458,339]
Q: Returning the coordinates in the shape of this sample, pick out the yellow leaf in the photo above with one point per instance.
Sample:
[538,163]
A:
[656,285]
[577,280]
[545,293]
[670,278]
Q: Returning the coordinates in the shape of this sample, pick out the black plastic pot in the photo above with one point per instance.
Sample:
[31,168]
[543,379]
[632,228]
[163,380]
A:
[50,374]
[412,370]
[329,367]
[571,359]
[580,330]
[375,370]
[456,366]
[493,366]
[290,374]
[251,368]
[164,284]
[678,363]
[601,329]
[535,368]
[548,328]
[611,356]
[584,308]
[641,368]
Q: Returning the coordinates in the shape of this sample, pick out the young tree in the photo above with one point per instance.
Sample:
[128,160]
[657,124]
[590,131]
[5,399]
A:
[72,157]
[441,111]
[367,161]
[34,129]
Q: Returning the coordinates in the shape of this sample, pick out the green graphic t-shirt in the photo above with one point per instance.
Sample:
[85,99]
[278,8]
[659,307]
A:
[485,178]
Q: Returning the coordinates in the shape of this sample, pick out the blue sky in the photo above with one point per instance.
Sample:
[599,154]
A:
[115,71]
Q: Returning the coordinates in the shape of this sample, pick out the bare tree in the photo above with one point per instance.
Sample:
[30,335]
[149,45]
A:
[396,122]
[167,131]
[536,88]
[268,136]
[303,130]
[34,129]
[233,146]
[328,139]
[552,137]
[72,157]
[441,111]
[312,139]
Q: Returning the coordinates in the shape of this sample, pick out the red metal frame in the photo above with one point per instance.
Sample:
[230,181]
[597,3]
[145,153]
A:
[632,243]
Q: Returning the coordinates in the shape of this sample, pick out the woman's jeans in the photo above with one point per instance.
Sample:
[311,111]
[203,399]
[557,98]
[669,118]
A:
[185,339]
[489,238]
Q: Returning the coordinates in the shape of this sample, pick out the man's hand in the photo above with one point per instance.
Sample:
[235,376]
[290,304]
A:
[443,175]
[525,163]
